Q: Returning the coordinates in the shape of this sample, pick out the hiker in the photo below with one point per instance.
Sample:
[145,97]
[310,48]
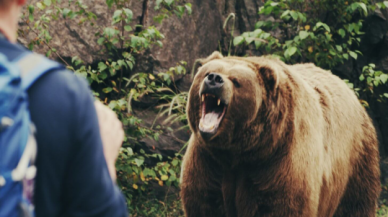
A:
[75,162]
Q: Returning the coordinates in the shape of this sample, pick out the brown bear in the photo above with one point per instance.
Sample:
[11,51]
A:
[271,139]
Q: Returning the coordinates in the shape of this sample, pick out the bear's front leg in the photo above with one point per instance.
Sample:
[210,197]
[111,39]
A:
[269,193]
[272,204]
[200,186]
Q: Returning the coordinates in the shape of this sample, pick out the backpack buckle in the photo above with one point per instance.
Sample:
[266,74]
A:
[5,122]
[2,181]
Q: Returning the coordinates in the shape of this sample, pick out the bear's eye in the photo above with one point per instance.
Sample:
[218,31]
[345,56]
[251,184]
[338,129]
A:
[235,82]
[207,74]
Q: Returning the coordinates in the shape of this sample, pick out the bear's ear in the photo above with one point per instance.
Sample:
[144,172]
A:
[270,76]
[200,62]
[215,55]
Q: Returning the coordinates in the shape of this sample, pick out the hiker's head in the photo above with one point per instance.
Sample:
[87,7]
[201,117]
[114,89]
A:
[9,15]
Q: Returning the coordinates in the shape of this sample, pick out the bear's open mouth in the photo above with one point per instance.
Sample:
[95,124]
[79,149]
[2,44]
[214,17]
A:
[213,111]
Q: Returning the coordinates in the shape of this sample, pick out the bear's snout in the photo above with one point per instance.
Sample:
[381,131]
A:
[213,84]
[213,104]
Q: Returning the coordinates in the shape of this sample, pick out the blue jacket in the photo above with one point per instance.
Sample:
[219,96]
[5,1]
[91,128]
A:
[72,177]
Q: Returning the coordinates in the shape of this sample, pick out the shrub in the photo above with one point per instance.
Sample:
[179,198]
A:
[124,41]
[327,33]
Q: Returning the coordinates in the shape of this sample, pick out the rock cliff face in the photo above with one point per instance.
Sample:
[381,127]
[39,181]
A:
[199,34]
[189,37]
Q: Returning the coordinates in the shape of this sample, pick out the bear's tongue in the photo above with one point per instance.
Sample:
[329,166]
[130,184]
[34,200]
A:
[210,119]
[212,113]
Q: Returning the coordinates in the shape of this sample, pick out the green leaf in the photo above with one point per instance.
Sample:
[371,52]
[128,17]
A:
[74,59]
[109,32]
[109,3]
[249,40]
[107,90]
[117,15]
[130,64]
[31,46]
[65,12]
[169,2]
[259,24]
[302,17]
[354,6]
[257,33]
[324,25]
[362,77]
[363,6]
[139,162]
[40,6]
[285,13]
[127,28]
[384,78]
[258,44]
[303,34]
[174,162]
[188,8]
[129,14]
[134,41]
[341,32]
[100,41]
[31,9]
[47,2]
[121,63]
[265,35]
[350,27]
[48,53]
[115,41]
[238,40]
[386,94]
[291,51]
[339,48]
[368,80]
[294,15]
[353,54]
[31,17]
[103,75]
[102,66]
[346,56]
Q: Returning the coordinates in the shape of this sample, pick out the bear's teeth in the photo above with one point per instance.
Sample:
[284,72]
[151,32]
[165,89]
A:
[206,126]
[203,97]
[207,95]
[218,102]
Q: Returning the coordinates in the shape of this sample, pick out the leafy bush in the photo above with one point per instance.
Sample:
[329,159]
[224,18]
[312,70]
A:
[306,37]
[124,41]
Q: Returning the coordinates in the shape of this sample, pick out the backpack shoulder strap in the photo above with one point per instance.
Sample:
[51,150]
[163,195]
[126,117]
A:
[33,66]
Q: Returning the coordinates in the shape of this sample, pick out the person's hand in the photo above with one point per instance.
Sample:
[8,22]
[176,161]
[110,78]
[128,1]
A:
[112,135]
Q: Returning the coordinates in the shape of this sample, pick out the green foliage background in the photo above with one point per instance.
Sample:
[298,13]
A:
[306,38]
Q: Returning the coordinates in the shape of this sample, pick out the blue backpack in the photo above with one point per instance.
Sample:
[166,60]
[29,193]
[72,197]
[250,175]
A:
[18,147]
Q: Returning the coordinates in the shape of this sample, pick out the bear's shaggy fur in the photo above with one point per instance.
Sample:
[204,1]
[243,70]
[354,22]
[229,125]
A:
[294,141]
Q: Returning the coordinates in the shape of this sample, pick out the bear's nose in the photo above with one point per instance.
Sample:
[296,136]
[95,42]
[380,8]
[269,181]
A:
[214,80]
